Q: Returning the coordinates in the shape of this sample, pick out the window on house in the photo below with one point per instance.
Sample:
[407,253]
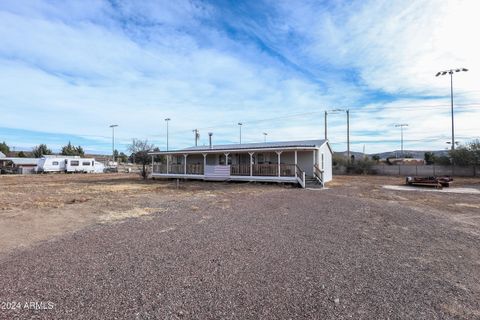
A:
[85,163]
[55,163]
[75,163]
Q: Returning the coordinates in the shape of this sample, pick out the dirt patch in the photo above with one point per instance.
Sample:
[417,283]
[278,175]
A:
[40,207]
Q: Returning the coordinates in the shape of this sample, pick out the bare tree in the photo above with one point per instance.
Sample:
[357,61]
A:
[140,149]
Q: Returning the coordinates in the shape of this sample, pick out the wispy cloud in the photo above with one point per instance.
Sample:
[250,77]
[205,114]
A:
[72,68]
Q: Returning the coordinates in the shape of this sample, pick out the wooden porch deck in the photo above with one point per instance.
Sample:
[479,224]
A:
[288,173]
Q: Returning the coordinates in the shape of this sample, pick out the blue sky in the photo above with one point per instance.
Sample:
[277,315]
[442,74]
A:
[69,69]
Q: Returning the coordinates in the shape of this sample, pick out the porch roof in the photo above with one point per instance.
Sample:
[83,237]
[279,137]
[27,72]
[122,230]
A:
[245,147]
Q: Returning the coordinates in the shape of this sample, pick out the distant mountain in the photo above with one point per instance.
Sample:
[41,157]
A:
[396,153]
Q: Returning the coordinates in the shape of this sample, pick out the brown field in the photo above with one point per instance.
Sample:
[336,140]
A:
[40,207]
[115,246]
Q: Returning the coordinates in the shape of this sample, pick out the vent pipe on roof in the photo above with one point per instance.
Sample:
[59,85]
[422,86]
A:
[210,139]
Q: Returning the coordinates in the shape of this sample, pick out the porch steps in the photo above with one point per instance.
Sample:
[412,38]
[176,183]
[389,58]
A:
[312,182]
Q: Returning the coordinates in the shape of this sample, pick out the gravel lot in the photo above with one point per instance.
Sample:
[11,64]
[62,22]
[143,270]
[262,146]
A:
[242,251]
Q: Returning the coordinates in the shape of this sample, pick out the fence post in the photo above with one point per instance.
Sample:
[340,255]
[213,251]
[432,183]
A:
[399,174]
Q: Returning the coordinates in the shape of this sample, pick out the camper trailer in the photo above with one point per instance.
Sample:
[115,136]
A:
[51,164]
[68,164]
[80,165]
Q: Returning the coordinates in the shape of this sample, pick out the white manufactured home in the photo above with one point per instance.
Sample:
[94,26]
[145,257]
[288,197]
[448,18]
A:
[299,162]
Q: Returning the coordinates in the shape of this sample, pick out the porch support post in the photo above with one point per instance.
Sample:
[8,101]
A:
[251,163]
[226,158]
[204,161]
[295,163]
[185,164]
[278,156]
[168,157]
[313,167]
[152,164]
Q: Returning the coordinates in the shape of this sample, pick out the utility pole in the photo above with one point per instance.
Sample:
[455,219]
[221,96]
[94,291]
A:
[401,134]
[265,137]
[113,140]
[325,124]
[450,72]
[167,120]
[240,125]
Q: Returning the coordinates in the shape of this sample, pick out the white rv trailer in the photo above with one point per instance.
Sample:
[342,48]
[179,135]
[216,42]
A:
[68,164]
[51,164]
[80,165]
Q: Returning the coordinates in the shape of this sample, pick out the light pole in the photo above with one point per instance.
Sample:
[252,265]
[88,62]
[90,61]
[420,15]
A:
[240,125]
[167,120]
[113,140]
[197,136]
[348,135]
[450,72]
[265,137]
[401,134]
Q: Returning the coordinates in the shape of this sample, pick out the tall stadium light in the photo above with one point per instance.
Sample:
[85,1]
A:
[113,140]
[265,137]
[450,72]
[401,134]
[240,125]
[167,120]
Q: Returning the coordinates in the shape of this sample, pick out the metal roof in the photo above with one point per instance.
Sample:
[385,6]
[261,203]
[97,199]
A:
[251,146]
[23,161]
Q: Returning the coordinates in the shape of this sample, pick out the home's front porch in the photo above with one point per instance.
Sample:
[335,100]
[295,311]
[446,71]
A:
[276,166]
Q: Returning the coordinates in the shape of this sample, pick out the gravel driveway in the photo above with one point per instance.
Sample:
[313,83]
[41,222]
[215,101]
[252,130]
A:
[281,254]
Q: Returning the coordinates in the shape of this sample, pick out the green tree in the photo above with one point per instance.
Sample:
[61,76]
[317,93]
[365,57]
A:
[41,150]
[474,148]
[139,150]
[339,160]
[4,148]
[80,151]
[443,161]
[21,154]
[376,157]
[461,156]
[429,157]
[71,150]
[122,157]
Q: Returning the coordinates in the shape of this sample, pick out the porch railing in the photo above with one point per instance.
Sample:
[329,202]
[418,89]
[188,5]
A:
[240,169]
[265,170]
[300,175]
[159,168]
[287,170]
[176,169]
[318,174]
[194,168]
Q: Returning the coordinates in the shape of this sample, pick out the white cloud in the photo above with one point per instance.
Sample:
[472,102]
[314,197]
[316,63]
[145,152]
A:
[73,68]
